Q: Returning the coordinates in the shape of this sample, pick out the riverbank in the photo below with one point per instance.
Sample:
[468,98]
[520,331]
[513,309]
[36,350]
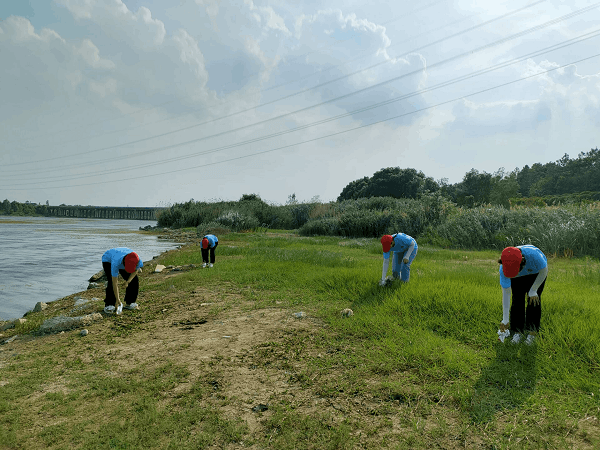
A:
[255,353]
[48,258]
[206,336]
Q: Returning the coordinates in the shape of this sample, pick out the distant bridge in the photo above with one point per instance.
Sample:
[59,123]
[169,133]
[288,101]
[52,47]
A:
[103,212]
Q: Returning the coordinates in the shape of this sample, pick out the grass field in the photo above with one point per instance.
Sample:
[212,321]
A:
[418,365]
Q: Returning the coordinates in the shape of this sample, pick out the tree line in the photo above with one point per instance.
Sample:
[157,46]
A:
[560,181]
[14,208]
[568,180]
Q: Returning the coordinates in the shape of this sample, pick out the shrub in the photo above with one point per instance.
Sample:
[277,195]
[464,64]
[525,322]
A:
[237,221]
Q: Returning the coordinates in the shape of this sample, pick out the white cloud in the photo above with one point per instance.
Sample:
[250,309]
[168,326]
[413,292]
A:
[81,9]
[190,54]
[267,16]
[105,88]
[117,21]
[211,6]
[212,10]
[53,64]
[90,53]
[328,21]
[109,75]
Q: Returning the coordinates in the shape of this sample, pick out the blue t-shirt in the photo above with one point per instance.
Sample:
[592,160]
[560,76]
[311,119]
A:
[535,261]
[401,243]
[115,256]
[212,240]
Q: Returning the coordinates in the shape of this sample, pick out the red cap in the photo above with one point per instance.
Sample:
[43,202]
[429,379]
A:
[204,243]
[131,261]
[386,242]
[511,261]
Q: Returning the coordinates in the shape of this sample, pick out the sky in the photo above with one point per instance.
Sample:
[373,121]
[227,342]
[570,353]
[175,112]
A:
[155,102]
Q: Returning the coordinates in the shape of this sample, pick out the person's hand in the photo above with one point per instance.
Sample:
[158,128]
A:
[405,260]
[534,300]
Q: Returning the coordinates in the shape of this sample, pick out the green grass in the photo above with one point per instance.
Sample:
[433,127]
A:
[417,366]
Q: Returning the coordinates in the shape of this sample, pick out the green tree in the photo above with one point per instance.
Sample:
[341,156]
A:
[16,208]
[390,182]
[503,188]
[292,200]
[543,186]
[474,189]
[355,189]
[250,198]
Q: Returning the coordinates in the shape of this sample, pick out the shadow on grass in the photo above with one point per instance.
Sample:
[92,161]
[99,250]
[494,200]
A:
[506,383]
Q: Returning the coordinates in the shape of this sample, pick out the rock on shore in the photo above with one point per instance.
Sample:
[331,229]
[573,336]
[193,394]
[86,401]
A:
[63,323]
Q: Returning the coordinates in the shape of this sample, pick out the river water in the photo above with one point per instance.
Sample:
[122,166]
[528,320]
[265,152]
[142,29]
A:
[44,259]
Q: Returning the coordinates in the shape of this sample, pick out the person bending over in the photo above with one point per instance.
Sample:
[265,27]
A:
[124,261]
[523,271]
[402,246]
[209,244]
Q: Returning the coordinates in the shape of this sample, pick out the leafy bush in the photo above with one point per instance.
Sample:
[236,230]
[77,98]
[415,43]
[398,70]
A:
[251,208]
[566,230]
[238,221]
[375,216]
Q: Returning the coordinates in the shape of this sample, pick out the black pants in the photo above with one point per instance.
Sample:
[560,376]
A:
[212,254]
[131,292]
[524,318]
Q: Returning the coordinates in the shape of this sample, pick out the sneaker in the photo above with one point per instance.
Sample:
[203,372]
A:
[517,338]
[530,339]
[109,309]
[210,265]
[132,306]
[120,309]
[203,265]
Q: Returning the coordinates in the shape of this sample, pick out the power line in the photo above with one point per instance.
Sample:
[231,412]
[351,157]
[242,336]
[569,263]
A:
[336,42]
[551,48]
[363,55]
[330,82]
[332,134]
[147,152]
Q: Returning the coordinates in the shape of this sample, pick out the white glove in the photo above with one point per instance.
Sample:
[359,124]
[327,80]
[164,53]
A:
[503,335]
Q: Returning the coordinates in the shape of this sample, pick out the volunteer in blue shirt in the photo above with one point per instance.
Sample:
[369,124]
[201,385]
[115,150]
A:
[124,261]
[523,271]
[209,244]
[403,246]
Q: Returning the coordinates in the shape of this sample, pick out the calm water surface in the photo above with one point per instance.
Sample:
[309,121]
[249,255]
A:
[44,259]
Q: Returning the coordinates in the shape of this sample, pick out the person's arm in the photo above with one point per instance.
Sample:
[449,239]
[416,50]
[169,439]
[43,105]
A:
[409,252]
[115,285]
[506,293]
[504,328]
[533,295]
[132,276]
[386,265]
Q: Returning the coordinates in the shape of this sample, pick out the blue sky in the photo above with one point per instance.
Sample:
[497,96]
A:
[118,102]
